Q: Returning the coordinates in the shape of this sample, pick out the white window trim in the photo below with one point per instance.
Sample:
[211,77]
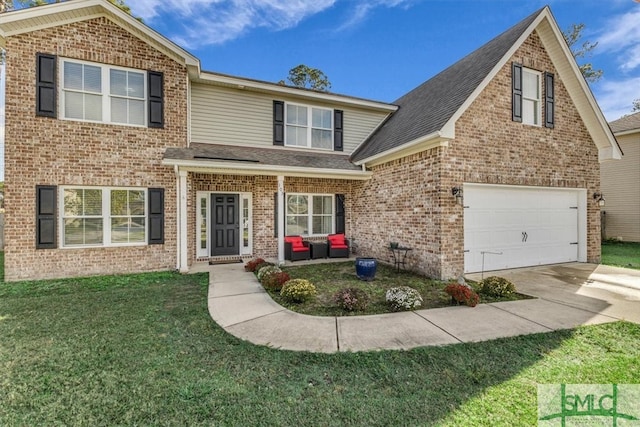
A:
[206,252]
[105,94]
[310,212]
[106,216]
[538,112]
[309,125]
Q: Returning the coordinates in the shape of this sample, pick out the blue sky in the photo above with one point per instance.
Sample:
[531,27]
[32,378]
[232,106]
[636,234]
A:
[380,49]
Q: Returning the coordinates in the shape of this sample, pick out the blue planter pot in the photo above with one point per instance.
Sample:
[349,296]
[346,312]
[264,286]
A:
[366,268]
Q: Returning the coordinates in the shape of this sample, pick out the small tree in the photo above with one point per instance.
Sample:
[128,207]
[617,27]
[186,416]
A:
[636,105]
[573,35]
[306,77]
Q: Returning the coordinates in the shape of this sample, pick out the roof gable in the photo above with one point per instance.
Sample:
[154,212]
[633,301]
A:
[428,113]
[52,15]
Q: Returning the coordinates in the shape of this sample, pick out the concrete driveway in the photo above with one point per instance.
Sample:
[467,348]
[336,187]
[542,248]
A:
[600,289]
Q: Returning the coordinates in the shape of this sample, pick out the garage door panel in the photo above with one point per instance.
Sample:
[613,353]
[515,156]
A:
[529,226]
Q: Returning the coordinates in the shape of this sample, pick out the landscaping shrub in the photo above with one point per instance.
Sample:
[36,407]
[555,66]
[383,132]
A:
[267,269]
[462,294]
[403,298]
[298,290]
[497,287]
[351,299]
[275,281]
[251,265]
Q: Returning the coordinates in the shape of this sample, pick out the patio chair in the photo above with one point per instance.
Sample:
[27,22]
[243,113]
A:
[338,246]
[296,249]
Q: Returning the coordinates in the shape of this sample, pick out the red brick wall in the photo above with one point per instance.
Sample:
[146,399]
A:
[409,200]
[63,152]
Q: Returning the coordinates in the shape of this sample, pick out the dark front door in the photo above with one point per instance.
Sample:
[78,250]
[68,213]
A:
[225,224]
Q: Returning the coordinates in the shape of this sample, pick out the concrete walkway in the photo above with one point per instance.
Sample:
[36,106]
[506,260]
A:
[568,295]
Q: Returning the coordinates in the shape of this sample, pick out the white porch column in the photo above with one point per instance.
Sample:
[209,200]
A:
[280,219]
[182,222]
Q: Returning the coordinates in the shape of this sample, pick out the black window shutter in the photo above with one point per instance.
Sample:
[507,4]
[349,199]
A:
[516,83]
[156,216]
[549,106]
[156,99]
[340,224]
[46,208]
[46,99]
[278,123]
[337,130]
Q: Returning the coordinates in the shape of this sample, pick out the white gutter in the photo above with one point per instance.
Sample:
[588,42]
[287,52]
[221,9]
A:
[241,168]
[241,83]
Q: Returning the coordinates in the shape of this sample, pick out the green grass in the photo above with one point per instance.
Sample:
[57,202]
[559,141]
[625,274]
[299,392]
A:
[143,350]
[331,277]
[621,254]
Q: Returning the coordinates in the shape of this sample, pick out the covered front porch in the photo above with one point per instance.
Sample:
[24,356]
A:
[235,203]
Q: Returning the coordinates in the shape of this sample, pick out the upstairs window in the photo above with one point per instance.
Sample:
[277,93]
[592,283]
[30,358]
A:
[310,127]
[528,97]
[100,93]
[531,102]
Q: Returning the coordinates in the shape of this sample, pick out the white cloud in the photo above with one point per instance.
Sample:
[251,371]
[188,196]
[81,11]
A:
[209,22]
[616,97]
[622,36]
[362,9]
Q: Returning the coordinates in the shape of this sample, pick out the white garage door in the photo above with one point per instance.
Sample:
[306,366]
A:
[510,227]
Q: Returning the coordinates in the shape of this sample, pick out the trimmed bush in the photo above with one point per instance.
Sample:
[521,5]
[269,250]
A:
[298,290]
[403,298]
[251,265]
[275,281]
[497,287]
[267,269]
[462,294]
[351,299]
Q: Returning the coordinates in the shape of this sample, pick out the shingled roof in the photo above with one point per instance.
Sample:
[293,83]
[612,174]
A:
[427,108]
[232,154]
[626,123]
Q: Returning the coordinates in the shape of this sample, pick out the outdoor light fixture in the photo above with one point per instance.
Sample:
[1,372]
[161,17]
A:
[457,193]
[599,198]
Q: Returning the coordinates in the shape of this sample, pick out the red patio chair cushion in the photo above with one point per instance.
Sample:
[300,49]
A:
[337,241]
[296,243]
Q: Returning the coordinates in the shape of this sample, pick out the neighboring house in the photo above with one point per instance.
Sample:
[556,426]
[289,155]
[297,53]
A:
[621,183]
[122,155]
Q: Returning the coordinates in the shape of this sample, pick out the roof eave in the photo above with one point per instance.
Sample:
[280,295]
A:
[30,19]
[427,142]
[627,132]
[282,90]
[237,168]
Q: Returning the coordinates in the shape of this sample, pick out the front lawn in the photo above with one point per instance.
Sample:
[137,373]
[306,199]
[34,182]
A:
[621,254]
[331,277]
[143,350]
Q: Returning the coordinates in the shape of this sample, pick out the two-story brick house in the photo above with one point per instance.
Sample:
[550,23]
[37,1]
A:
[122,155]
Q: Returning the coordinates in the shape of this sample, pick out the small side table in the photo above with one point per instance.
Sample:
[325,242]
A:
[318,250]
[399,256]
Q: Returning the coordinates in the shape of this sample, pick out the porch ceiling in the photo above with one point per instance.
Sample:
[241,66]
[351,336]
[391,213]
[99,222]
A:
[240,160]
